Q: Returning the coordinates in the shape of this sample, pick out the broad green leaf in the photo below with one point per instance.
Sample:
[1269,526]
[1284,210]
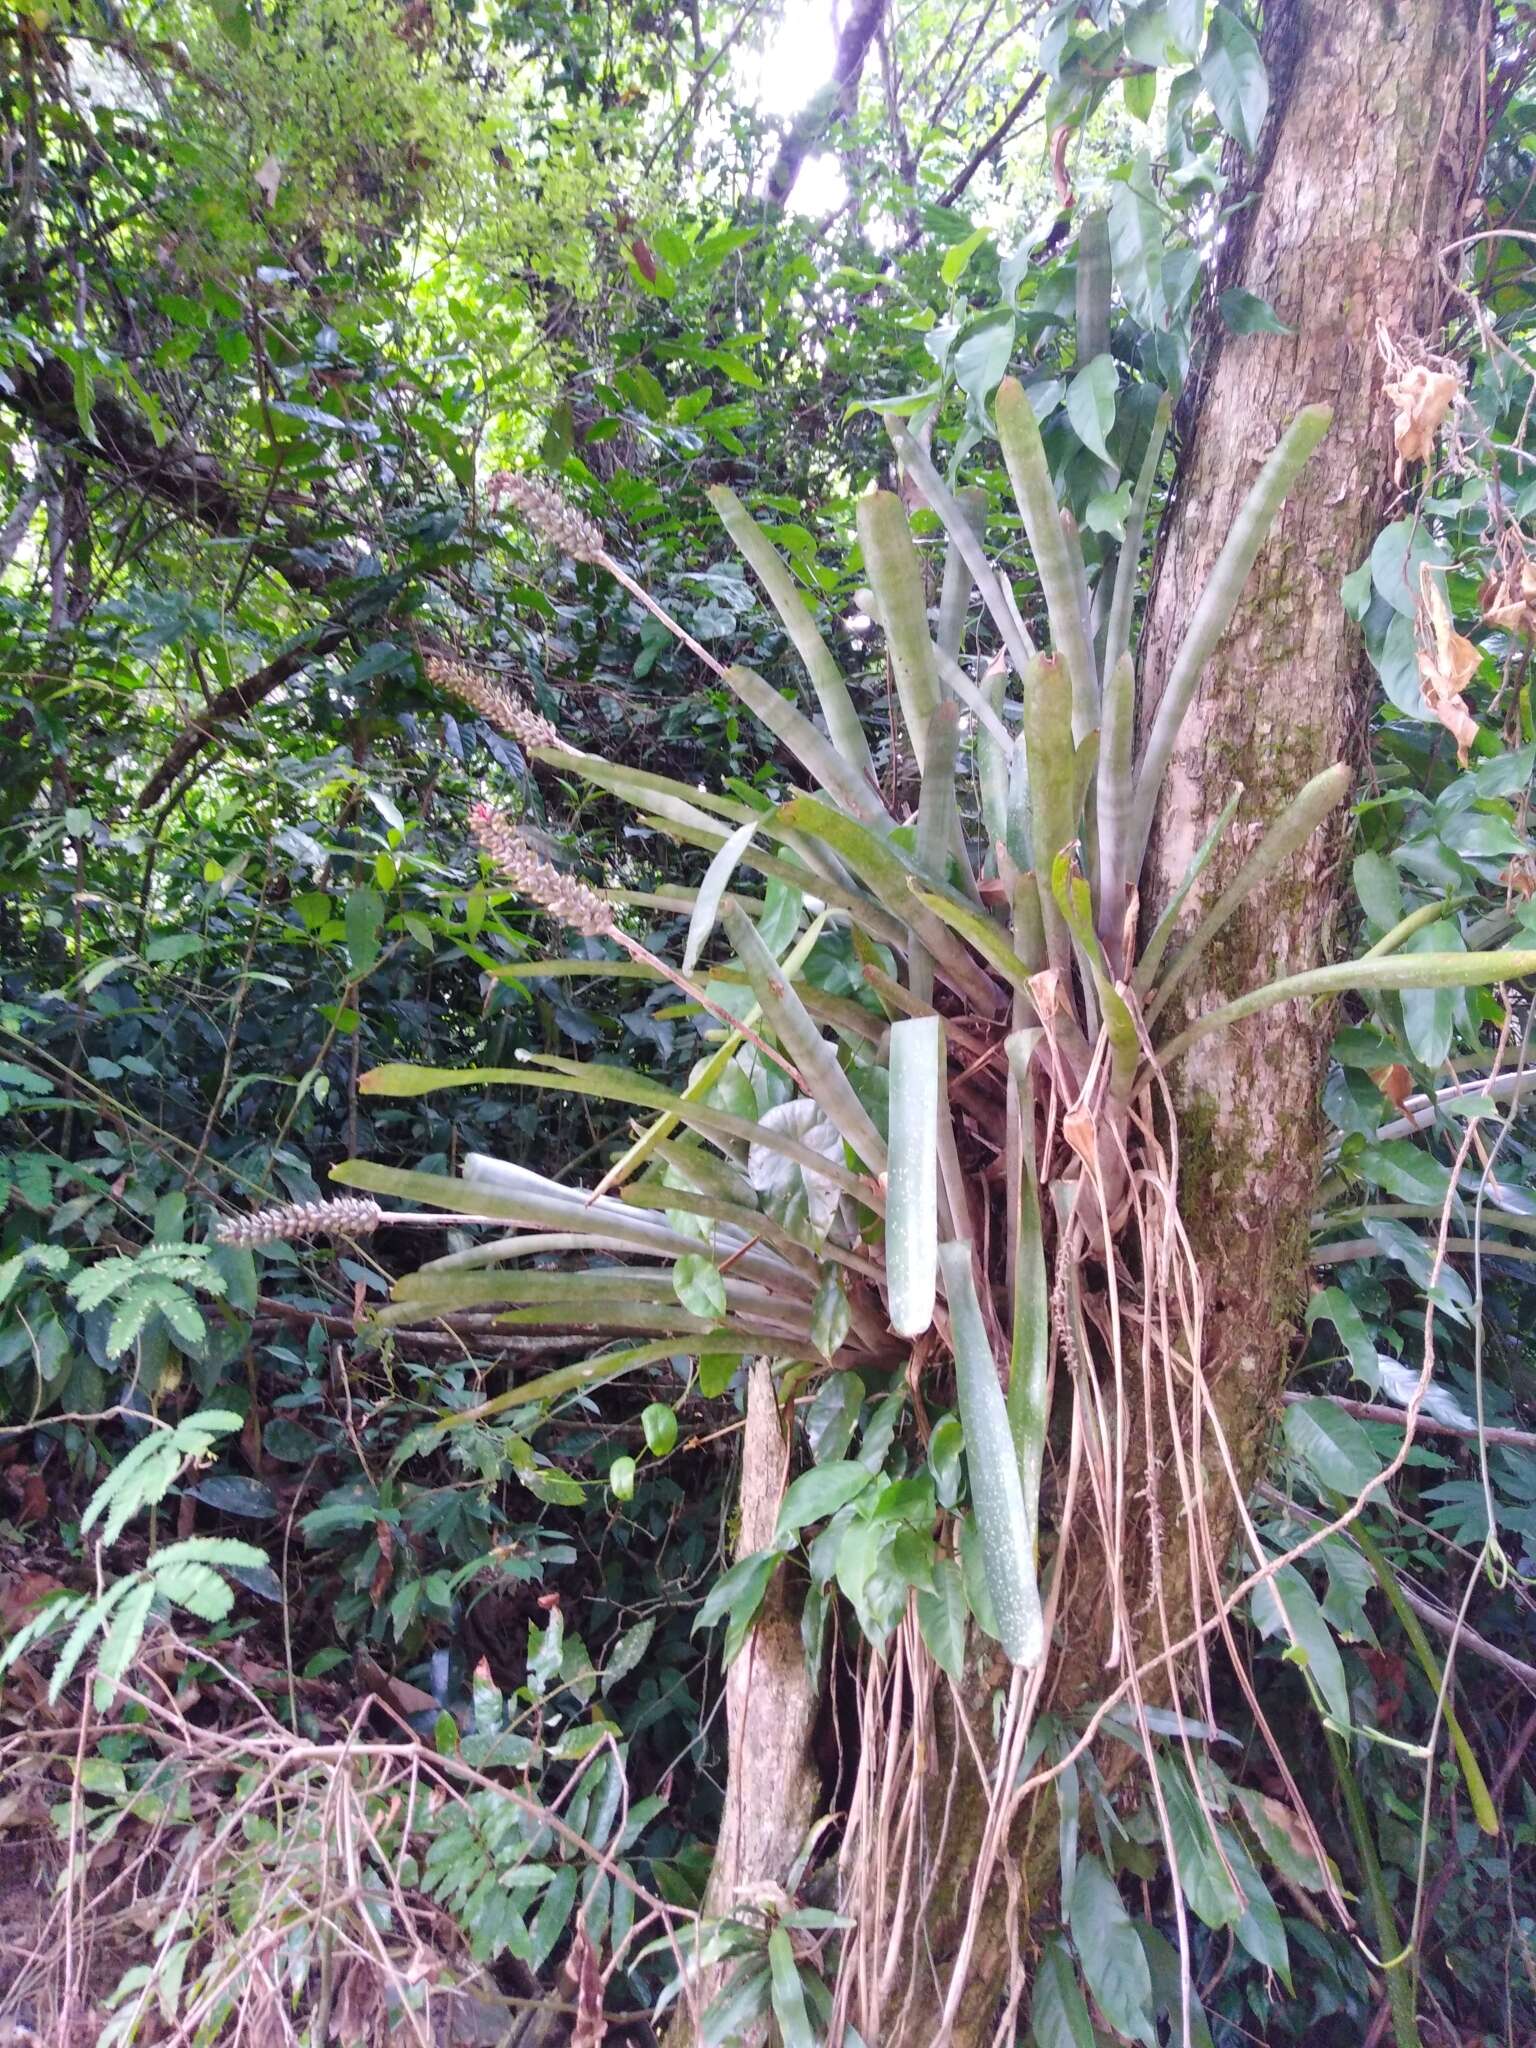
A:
[365,911]
[1282,1838]
[1232,72]
[952,269]
[1259,1930]
[830,1314]
[739,1590]
[1058,2012]
[659,1423]
[621,1478]
[1210,1891]
[1091,404]
[1429,1014]
[699,1285]
[716,1371]
[944,1460]
[1137,234]
[1114,1964]
[1379,888]
[1246,313]
[830,1420]
[1140,91]
[1404,1169]
[1334,1304]
[627,1652]
[941,1615]
[817,1494]
[1284,1605]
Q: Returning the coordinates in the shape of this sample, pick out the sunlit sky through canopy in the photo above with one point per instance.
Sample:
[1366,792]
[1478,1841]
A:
[791,67]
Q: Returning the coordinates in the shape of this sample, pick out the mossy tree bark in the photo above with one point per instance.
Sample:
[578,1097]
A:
[1366,168]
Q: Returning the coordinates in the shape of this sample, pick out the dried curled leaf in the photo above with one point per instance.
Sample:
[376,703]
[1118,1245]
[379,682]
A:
[1447,663]
[1422,397]
[1508,598]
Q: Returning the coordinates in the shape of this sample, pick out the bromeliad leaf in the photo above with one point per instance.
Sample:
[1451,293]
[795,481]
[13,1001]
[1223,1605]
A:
[912,1186]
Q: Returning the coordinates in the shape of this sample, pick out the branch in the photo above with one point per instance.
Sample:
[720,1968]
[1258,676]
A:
[835,102]
[1424,1425]
[181,475]
[993,143]
[236,701]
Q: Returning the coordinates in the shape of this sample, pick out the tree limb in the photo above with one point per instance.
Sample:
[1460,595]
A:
[837,100]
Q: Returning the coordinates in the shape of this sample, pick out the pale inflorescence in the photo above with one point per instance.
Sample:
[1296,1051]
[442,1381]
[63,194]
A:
[564,896]
[289,1222]
[544,508]
[500,706]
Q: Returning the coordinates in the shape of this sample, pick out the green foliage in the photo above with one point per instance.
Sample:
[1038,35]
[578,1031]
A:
[278,300]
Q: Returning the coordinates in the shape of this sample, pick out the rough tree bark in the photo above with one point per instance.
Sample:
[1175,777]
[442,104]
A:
[770,1705]
[1365,168]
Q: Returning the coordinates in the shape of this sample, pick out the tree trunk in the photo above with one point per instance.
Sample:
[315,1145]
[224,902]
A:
[1365,167]
[770,1706]
[1365,172]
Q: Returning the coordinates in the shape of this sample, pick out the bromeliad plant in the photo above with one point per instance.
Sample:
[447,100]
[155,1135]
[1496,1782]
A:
[952,1161]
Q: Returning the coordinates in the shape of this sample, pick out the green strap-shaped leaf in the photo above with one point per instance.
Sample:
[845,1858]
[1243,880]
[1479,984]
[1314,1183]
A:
[1122,605]
[965,538]
[1213,613]
[1290,831]
[891,560]
[815,753]
[879,866]
[955,589]
[764,559]
[1152,953]
[822,1076]
[677,801]
[1053,822]
[1029,1356]
[717,879]
[1112,811]
[1347,977]
[609,1084]
[811,882]
[708,1076]
[1030,474]
[587,1372]
[1074,900]
[912,1182]
[997,1492]
[978,930]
